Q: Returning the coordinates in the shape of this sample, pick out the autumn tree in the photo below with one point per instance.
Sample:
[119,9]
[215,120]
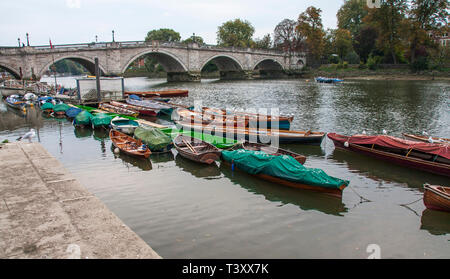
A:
[237,33]
[286,37]
[350,15]
[389,20]
[343,42]
[309,25]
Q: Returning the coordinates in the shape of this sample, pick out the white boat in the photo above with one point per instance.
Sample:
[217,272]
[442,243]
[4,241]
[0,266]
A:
[124,125]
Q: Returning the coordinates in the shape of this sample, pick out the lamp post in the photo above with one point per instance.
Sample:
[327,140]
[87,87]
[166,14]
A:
[18,40]
[113,36]
[96,38]
[28,40]
[193,37]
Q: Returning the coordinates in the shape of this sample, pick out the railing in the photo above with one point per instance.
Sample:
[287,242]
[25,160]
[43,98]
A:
[153,44]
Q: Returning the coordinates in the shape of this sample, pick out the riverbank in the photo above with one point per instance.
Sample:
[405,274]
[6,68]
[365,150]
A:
[46,213]
[354,73]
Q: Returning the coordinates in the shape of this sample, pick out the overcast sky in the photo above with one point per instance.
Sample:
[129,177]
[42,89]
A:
[78,21]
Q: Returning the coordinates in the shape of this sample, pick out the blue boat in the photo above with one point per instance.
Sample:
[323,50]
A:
[328,80]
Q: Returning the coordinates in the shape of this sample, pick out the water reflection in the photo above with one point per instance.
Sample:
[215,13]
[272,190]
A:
[158,158]
[82,132]
[379,170]
[196,169]
[142,163]
[435,222]
[304,199]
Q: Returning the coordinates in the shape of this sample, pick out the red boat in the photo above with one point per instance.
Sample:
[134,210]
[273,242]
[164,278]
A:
[163,93]
[437,197]
[431,157]
[141,110]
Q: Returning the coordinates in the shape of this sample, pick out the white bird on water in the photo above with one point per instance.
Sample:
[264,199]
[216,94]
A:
[364,132]
[28,135]
[424,133]
[384,132]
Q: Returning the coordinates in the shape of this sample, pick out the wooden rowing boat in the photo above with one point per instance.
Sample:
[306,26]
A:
[124,125]
[256,134]
[129,145]
[272,150]
[284,122]
[118,110]
[437,197]
[426,138]
[191,116]
[196,150]
[412,156]
[141,110]
[162,93]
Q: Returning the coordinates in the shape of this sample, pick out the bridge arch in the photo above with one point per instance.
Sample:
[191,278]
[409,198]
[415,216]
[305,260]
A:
[224,63]
[268,64]
[11,70]
[170,62]
[86,62]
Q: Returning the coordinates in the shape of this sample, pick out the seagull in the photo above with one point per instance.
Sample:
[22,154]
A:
[363,132]
[424,133]
[28,135]
[384,132]
[430,140]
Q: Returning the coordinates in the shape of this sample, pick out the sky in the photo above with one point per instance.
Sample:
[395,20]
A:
[79,21]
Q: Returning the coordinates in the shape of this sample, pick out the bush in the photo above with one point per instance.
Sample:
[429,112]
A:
[362,66]
[345,64]
[333,59]
[420,64]
[352,58]
[373,62]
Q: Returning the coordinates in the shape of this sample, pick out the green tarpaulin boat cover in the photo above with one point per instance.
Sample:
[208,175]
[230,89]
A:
[219,142]
[47,106]
[284,167]
[101,119]
[153,138]
[83,118]
[61,107]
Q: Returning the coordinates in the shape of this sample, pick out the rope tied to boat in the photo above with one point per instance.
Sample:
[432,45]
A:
[411,202]
[362,199]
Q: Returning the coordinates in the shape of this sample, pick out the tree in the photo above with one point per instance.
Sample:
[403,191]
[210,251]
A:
[425,16]
[264,43]
[343,42]
[163,34]
[389,20]
[286,37]
[365,41]
[350,15]
[197,39]
[237,33]
[310,26]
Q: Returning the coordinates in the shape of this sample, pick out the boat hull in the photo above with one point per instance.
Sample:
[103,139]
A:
[334,192]
[256,134]
[208,156]
[433,167]
[164,93]
[436,200]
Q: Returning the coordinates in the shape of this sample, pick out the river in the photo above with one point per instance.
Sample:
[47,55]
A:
[185,210]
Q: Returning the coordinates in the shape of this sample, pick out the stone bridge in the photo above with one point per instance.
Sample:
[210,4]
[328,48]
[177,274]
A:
[182,62]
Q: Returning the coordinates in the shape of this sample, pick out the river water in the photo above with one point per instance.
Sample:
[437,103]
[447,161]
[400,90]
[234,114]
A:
[186,210]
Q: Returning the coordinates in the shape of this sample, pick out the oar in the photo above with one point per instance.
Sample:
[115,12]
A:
[189,146]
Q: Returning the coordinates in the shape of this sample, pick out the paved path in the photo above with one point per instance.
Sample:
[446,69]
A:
[46,213]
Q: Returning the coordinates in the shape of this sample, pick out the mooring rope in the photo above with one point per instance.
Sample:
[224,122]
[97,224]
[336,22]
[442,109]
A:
[361,197]
[411,202]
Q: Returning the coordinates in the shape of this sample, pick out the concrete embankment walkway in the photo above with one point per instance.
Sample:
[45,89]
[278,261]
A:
[46,213]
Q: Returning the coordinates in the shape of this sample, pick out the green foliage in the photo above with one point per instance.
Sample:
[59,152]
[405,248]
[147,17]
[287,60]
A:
[5,141]
[420,64]
[362,65]
[69,66]
[373,62]
[333,59]
[237,33]
[264,43]
[196,39]
[285,37]
[351,14]
[352,57]
[365,41]
[163,34]
[343,42]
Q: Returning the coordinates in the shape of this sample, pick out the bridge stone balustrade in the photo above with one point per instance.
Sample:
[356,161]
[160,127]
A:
[182,62]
